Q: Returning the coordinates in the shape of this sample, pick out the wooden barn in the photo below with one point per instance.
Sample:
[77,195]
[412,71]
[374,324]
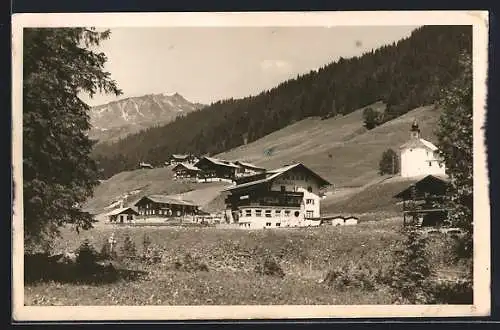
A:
[247,169]
[185,171]
[121,215]
[213,169]
[424,200]
[165,206]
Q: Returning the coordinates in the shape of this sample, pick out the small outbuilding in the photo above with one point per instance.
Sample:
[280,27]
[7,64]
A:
[122,215]
[425,200]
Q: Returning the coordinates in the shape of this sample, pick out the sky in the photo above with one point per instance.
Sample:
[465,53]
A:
[206,64]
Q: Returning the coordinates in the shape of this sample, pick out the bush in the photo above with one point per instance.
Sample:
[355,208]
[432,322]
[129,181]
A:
[351,275]
[190,264]
[87,255]
[269,266]
[151,256]
[106,252]
[412,272]
[128,249]
[452,292]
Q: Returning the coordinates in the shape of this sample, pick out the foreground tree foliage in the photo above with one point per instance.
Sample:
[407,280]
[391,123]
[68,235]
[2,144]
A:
[455,145]
[58,175]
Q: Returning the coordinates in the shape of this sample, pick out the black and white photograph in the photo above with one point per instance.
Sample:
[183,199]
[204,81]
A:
[257,165]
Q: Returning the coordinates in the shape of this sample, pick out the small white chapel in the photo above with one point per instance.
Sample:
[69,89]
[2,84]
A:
[419,157]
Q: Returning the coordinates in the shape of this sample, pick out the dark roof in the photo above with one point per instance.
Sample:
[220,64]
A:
[431,184]
[186,166]
[219,162]
[122,210]
[164,199]
[278,172]
[249,165]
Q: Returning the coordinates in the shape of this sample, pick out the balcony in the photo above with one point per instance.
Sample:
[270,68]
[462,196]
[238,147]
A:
[269,198]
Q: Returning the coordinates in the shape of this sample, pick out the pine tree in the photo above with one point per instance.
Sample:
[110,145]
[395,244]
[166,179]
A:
[58,174]
[389,164]
[455,146]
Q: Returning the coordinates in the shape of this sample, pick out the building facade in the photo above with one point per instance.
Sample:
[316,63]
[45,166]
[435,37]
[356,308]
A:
[285,197]
[419,157]
[185,171]
[213,169]
[165,206]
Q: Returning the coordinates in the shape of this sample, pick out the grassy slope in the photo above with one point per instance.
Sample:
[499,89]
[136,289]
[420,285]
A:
[148,181]
[338,148]
[354,152]
[304,254]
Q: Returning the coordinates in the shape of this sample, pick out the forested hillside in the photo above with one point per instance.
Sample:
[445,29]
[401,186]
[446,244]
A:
[404,75]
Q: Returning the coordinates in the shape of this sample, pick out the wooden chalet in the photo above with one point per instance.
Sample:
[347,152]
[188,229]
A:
[246,169]
[178,159]
[425,201]
[213,169]
[165,206]
[285,197]
[185,171]
[122,214]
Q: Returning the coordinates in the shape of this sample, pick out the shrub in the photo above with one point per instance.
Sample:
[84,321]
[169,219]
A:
[269,266]
[128,249]
[452,292]
[86,254]
[152,255]
[412,271]
[106,252]
[351,275]
[190,264]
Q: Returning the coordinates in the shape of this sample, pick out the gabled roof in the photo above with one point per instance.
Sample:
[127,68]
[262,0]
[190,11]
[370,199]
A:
[276,173]
[186,166]
[180,156]
[164,199]
[121,210]
[245,164]
[220,162]
[431,184]
[416,143]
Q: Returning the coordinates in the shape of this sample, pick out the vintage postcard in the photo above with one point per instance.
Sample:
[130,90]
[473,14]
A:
[271,165]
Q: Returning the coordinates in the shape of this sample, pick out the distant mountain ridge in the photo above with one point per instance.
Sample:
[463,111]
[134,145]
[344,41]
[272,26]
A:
[121,118]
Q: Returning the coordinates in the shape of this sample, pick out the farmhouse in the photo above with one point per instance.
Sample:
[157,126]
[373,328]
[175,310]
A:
[247,169]
[284,197]
[424,200]
[213,169]
[178,159]
[185,171]
[419,157]
[165,206]
[122,214]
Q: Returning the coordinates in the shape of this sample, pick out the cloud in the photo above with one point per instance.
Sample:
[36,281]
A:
[276,65]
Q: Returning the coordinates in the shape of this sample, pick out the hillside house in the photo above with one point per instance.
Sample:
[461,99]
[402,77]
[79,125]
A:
[122,215]
[424,201]
[247,169]
[145,165]
[186,159]
[284,197]
[213,169]
[185,171]
[165,206]
[419,157]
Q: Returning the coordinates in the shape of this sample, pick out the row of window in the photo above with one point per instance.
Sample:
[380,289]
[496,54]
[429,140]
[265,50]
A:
[268,213]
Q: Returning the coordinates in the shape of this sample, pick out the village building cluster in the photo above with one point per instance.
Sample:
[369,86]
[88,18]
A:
[288,196]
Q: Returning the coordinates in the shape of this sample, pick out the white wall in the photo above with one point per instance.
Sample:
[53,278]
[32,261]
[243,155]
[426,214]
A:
[415,162]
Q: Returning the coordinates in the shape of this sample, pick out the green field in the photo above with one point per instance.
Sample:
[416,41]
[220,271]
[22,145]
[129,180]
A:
[304,254]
